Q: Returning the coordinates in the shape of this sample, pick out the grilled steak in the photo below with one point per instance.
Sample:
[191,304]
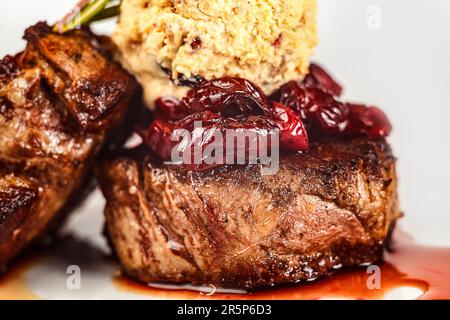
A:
[233,227]
[62,101]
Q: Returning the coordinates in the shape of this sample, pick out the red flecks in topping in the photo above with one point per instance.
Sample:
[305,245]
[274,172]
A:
[196,43]
[278,41]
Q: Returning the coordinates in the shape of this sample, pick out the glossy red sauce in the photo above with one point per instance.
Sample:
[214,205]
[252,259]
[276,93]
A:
[408,265]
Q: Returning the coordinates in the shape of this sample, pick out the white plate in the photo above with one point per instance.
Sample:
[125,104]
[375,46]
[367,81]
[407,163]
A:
[401,64]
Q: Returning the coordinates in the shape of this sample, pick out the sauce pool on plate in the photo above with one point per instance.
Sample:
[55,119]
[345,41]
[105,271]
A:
[407,264]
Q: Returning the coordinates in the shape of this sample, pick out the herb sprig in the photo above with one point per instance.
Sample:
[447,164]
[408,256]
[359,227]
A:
[86,12]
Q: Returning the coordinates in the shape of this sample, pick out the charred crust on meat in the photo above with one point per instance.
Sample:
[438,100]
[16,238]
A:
[8,68]
[80,71]
[328,208]
[63,102]
[34,33]
[15,199]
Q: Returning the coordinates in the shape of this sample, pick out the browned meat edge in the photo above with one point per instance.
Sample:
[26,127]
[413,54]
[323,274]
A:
[328,208]
[62,101]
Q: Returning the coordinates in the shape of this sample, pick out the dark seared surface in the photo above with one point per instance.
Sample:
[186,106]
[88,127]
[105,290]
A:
[233,227]
[62,101]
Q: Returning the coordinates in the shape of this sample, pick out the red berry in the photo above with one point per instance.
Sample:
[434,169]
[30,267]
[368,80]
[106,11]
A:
[227,96]
[319,78]
[169,108]
[293,136]
[238,105]
[207,119]
[321,113]
[158,138]
[367,121]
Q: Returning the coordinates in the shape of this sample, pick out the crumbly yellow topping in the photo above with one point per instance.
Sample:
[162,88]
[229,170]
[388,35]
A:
[268,42]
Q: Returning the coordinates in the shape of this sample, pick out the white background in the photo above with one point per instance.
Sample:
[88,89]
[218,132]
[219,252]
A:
[404,67]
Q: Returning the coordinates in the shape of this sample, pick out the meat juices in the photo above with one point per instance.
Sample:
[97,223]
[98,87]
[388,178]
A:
[62,101]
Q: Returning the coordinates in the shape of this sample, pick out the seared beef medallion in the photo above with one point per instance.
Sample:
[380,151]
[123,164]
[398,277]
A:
[62,101]
[331,207]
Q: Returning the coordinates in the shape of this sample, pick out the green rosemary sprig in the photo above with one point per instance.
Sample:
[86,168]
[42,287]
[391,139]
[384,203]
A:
[86,12]
[109,12]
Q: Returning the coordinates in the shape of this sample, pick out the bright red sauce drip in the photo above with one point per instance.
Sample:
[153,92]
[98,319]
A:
[429,264]
[408,265]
